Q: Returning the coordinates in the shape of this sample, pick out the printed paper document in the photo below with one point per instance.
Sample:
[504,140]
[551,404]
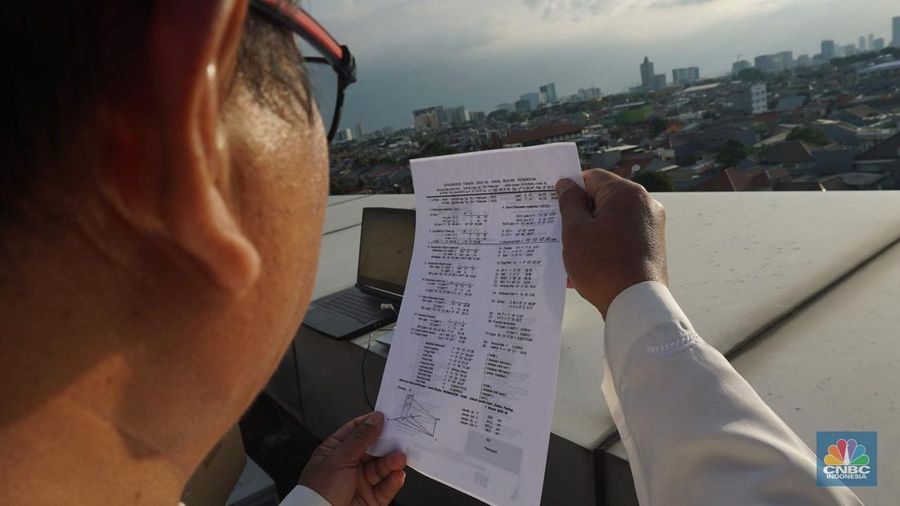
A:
[470,381]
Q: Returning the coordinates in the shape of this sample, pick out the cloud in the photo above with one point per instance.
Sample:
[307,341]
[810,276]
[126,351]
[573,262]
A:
[668,4]
[569,9]
[478,53]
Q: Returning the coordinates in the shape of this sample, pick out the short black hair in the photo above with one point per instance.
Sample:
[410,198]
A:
[65,58]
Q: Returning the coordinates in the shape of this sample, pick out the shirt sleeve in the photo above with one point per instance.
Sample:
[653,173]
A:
[304,496]
[695,431]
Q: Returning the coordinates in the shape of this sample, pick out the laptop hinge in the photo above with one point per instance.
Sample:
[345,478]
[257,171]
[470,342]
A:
[371,290]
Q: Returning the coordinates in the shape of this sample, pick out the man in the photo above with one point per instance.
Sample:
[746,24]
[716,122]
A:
[161,212]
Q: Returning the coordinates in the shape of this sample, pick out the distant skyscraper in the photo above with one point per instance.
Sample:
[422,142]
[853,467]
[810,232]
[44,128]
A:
[430,117]
[878,44]
[784,60]
[740,65]
[895,41]
[827,49]
[647,74]
[686,75]
[548,91]
[766,63]
[862,43]
[533,98]
[455,115]
[659,82]
[523,105]
[344,135]
[357,131]
[592,93]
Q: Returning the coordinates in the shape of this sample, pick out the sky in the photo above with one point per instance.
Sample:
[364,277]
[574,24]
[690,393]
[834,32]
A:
[479,53]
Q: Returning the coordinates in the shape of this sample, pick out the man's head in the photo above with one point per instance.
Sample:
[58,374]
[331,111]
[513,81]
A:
[161,205]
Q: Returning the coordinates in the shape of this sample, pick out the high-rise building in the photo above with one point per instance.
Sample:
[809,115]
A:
[740,65]
[827,49]
[429,117]
[357,131]
[344,135]
[523,105]
[592,93]
[658,82]
[871,41]
[548,93]
[685,75]
[878,44]
[784,60]
[533,98]
[862,43]
[895,40]
[647,74]
[766,63]
[455,115]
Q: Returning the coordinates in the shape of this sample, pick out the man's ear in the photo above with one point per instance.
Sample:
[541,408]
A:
[182,191]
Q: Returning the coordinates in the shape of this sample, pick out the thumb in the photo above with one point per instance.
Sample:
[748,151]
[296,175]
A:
[355,445]
[573,201]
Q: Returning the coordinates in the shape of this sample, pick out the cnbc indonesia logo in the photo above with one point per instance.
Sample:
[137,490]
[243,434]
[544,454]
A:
[845,460]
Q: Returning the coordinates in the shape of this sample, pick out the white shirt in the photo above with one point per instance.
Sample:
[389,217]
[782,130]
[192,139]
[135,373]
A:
[696,432]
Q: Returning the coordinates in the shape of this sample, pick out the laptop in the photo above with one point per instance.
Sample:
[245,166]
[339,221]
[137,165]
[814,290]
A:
[385,250]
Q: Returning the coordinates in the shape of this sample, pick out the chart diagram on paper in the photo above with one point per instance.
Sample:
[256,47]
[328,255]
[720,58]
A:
[469,386]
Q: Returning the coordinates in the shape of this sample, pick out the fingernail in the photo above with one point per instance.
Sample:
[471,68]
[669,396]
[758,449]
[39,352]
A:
[563,184]
[374,418]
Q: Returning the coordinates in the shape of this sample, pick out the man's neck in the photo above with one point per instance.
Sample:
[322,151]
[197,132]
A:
[64,453]
[70,363]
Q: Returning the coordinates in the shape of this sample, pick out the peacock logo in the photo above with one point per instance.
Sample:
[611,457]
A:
[846,452]
[847,458]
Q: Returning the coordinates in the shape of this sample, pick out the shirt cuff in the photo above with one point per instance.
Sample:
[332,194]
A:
[304,496]
[644,315]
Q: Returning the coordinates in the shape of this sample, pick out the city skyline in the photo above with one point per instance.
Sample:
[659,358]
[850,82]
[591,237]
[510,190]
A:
[473,57]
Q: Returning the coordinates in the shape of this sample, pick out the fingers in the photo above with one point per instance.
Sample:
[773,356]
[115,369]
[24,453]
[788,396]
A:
[378,469]
[353,447]
[345,430]
[574,204]
[386,490]
[596,181]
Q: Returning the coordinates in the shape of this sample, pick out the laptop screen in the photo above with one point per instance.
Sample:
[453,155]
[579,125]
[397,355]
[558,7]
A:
[385,248]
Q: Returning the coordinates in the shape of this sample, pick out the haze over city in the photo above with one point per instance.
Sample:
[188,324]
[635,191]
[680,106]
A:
[418,53]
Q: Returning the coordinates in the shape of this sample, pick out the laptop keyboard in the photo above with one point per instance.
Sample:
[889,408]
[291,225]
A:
[355,304]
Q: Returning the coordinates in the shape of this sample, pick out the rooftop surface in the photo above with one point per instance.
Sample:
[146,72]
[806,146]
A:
[772,280]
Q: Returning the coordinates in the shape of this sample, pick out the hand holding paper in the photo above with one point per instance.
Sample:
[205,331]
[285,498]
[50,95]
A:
[470,383]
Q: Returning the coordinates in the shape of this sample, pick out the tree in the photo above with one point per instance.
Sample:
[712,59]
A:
[752,74]
[810,135]
[654,182]
[731,154]
[657,126]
